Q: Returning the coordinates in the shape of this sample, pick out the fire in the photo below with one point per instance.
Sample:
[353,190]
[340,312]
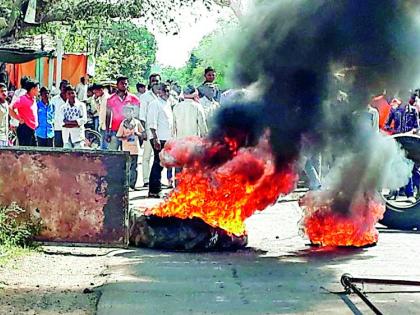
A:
[327,227]
[225,193]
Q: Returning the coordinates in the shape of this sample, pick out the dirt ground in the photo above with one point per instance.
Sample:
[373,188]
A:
[55,280]
[62,279]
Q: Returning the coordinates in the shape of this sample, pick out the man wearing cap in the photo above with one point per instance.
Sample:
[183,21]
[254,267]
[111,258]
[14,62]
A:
[114,111]
[100,99]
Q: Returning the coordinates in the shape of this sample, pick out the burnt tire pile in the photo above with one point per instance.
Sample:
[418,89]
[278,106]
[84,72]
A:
[175,234]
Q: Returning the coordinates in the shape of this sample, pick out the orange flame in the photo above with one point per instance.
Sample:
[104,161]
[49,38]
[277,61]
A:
[224,196]
[326,227]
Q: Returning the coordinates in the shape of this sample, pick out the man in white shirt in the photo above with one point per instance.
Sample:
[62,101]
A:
[58,102]
[4,117]
[210,105]
[189,117]
[145,99]
[100,99]
[74,119]
[81,90]
[54,90]
[160,123]
[141,89]
[18,93]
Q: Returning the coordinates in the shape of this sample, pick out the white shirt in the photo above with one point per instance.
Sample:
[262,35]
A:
[54,91]
[100,104]
[76,112]
[18,93]
[4,121]
[210,107]
[58,104]
[145,100]
[189,119]
[81,91]
[160,118]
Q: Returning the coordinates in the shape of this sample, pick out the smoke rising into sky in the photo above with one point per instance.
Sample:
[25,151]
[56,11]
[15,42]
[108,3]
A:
[300,54]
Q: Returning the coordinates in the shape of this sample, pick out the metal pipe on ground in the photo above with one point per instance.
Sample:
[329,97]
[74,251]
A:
[348,283]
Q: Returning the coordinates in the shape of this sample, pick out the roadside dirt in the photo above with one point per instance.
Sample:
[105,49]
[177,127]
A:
[56,280]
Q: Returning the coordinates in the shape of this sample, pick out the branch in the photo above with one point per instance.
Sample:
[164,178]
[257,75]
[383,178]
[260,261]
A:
[13,19]
[86,10]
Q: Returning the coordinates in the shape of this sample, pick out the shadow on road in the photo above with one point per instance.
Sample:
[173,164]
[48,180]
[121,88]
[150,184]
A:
[242,282]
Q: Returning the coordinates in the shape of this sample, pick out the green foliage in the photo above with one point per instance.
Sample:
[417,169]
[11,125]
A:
[16,227]
[209,52]
[126,49]
[119,47]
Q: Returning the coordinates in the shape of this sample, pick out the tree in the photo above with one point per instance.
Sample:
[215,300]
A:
[155,12]
[119,47]
[209,52]
[133,58]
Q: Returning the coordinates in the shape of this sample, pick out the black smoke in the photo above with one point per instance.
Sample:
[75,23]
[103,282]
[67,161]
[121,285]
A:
[300,53]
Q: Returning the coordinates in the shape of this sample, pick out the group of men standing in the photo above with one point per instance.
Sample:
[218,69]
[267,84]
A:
[40,120]
[166,112]
[157,113]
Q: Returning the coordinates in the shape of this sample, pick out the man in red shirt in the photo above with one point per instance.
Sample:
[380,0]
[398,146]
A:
[25,111]
[114,112]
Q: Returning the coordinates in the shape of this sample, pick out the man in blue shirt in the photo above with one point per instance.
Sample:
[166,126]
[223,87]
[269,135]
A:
[404,116]
[45,131]
[406,119]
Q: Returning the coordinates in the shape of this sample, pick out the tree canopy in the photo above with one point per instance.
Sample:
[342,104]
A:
[160,13]
[99,27]
[118,47]
[208,53]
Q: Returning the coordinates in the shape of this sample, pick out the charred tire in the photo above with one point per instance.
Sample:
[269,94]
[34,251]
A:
[405,218]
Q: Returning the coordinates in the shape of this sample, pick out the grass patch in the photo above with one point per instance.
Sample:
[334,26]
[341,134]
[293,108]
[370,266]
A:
[17,231]
[8,253]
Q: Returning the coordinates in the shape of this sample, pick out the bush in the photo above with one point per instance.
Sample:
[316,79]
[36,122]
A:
[17,227]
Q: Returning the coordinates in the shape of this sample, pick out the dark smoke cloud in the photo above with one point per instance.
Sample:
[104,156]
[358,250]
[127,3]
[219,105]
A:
[294,51]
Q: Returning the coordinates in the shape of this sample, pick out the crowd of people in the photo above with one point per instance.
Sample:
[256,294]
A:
[142,122]
[404,118]
[157,112]
[389,115]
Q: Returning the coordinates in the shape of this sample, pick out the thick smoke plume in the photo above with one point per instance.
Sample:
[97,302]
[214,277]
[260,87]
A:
[301,54]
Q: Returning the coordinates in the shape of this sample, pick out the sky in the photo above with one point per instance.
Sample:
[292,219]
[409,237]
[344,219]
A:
[196,22]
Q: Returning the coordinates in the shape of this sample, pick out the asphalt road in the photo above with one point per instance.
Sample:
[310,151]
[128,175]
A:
[277,274]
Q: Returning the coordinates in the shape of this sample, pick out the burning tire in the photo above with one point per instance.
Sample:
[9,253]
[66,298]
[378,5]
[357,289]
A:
[181,235]
[405,218]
